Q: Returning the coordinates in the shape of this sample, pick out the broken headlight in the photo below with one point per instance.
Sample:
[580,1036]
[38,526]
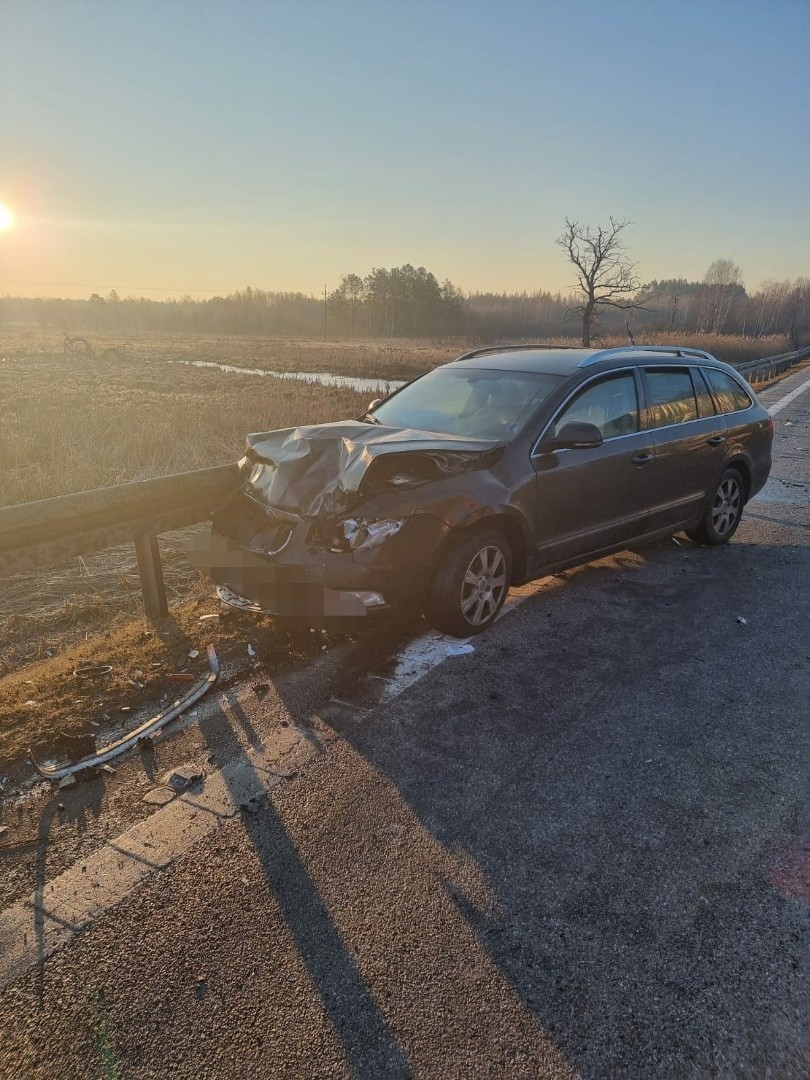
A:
[361,535]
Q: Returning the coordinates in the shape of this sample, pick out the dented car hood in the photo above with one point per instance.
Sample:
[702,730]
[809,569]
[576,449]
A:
[323,468]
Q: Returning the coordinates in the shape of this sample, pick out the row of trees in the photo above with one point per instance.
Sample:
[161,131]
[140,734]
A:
[408,301]
[404,301]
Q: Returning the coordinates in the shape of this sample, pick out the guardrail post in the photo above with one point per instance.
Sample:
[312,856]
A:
[150,569]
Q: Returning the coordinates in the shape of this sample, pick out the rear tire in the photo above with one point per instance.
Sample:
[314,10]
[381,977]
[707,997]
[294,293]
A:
[723,511]
[470,583]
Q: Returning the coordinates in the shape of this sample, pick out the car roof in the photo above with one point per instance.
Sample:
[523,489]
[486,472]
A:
[560,360]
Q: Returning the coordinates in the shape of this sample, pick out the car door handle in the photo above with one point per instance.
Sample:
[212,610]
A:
[642,459]
[715,440]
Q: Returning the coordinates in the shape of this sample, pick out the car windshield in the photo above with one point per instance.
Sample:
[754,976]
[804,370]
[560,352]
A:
[477,403]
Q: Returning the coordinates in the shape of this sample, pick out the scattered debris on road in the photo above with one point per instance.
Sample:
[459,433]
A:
[252,805]
[92,671]
[462,649]
[182,778]
[742,620]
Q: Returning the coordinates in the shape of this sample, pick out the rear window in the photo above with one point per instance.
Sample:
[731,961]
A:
[728,392]
[671,397]
[704,398]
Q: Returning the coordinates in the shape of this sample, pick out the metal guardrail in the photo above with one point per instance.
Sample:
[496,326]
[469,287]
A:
[51,531]
[770,366]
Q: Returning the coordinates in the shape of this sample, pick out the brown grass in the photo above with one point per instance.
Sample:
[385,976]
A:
[70,424]
[729,348]
[46,700]
[397,359]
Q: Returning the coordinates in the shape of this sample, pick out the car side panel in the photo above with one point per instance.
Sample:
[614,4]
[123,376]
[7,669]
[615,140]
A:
[588,499]
[690,458]
[750,438]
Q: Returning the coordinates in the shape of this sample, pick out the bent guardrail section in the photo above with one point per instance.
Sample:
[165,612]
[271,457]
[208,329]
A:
[51,531]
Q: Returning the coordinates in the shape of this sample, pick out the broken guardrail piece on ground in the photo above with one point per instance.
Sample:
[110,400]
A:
[59,772]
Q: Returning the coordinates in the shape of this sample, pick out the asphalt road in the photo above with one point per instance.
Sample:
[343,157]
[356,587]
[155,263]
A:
[582,850]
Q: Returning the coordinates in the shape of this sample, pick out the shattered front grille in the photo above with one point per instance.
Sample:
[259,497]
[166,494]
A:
[255,527]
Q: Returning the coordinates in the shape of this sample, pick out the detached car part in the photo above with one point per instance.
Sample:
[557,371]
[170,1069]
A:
[127,742]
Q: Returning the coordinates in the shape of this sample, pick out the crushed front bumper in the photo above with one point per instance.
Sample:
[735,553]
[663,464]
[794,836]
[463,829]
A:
[308,601]
[302,579]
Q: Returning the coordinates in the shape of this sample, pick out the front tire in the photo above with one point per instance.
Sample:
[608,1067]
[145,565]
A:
[470,583]
[723,511]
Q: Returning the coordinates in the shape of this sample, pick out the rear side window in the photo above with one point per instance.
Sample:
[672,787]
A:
[671,397]
[728,392]
[610,404]
[704,398]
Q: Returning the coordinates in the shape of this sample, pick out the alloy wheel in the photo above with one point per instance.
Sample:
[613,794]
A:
[726,506]
[483,586]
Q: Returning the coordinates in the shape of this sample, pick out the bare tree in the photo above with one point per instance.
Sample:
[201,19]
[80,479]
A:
[605,275]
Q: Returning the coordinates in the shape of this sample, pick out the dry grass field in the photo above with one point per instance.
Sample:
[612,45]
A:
[375,359]
[400,359]
[69,423]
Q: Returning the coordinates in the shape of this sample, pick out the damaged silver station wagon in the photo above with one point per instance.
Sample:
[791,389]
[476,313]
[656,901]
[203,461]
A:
[504,465]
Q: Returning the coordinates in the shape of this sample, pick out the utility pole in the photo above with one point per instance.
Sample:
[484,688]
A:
[324,313]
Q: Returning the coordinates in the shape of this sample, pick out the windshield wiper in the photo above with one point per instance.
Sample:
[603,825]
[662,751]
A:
[367,418]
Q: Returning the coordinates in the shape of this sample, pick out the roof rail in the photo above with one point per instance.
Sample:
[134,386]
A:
[509,348]
[670,350]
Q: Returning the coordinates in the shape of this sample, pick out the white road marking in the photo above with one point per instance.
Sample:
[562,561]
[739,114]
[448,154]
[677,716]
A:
[33,928]
[786,400]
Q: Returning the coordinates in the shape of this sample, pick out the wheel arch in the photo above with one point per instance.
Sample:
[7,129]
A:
[510,523]
[743,467]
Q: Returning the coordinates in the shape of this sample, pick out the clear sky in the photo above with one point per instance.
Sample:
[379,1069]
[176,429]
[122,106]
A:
[168,147]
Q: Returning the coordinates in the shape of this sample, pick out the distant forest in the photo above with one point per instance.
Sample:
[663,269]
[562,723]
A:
[409,301]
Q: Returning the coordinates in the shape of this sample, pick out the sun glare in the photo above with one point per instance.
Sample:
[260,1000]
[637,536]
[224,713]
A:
[6,217]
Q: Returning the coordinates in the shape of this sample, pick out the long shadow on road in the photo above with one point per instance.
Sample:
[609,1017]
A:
[369,1044]
[623,760]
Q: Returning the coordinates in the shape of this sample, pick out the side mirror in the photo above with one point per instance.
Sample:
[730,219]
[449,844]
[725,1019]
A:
[574,436]
[374,403]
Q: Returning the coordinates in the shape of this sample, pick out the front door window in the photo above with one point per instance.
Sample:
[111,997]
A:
[610,405]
